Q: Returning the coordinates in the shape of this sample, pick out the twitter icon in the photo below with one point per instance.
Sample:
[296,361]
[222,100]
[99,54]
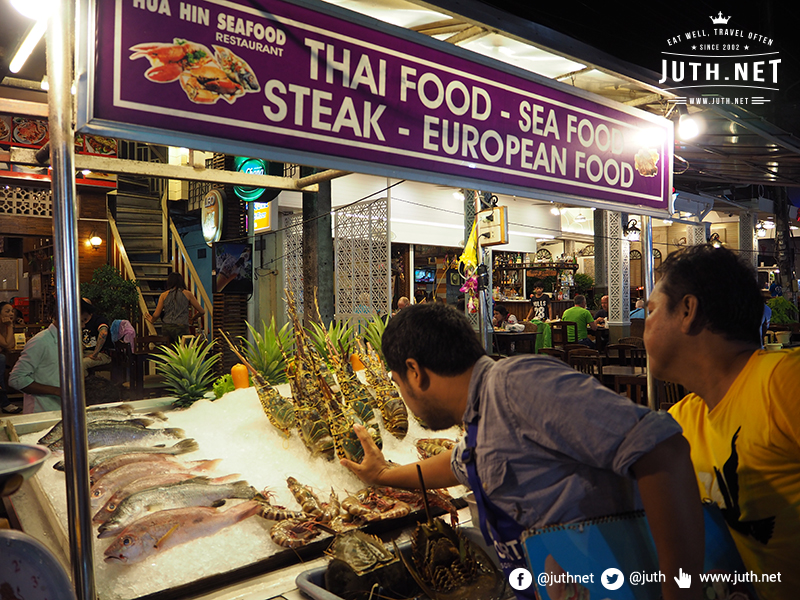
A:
[612,579]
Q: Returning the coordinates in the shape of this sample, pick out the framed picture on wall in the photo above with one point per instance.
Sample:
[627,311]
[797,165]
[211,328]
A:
[233,273]
[9,275]
[36,286]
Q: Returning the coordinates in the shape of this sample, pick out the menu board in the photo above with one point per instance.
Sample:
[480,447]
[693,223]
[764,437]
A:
[26,132]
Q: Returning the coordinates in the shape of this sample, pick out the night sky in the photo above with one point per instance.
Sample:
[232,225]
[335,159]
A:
[637,32]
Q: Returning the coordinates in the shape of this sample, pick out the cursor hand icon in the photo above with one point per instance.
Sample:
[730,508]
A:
[684,580]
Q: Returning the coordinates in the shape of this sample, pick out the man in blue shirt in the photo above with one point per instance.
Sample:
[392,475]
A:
[545,444]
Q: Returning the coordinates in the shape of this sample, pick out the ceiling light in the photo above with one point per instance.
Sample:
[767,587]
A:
[45,85]
[458,195]
[761,230]
[31,40]
[38,10]
[769,225]
[554,211]
[667,221]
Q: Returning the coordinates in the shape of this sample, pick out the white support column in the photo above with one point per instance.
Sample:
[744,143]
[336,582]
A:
[619,269]
[696,234]
[748,243]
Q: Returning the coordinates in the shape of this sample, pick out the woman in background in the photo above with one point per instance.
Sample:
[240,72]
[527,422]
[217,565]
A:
[174,304]
[7,344]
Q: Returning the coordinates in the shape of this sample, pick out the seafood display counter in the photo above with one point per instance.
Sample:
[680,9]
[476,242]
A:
[233,442]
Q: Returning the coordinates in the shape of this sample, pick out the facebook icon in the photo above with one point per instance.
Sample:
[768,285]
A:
[520,579]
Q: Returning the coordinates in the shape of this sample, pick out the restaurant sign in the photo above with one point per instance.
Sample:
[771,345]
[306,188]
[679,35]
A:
[315,84]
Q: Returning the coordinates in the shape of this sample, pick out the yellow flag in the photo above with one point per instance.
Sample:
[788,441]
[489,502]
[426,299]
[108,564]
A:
[469,258]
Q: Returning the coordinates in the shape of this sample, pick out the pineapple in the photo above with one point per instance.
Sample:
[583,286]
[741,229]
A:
[373,333]
[341,336]
[268,353]
[187,370]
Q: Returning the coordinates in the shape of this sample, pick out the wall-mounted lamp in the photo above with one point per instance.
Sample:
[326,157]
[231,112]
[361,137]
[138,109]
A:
[761,230]
[555,210]
[95,241]
[714,240]
[631,231]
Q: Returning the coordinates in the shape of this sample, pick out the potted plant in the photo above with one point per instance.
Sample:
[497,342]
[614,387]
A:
[783,312]
[111,295]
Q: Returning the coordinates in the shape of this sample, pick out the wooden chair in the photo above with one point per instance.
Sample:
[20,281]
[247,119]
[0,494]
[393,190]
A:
[632,340]
[639,358]
[632,386]
[560,332]
[528,346]
[620,354]
[586,361]
[573,346]
[637,327]
[554,352]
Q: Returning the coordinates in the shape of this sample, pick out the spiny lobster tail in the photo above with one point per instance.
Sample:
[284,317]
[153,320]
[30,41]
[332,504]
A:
[279,410]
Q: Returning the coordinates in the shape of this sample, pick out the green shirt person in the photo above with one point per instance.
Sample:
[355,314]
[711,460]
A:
[583,318]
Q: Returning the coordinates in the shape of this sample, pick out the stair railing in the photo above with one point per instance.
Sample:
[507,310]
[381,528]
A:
[182,263]
[120,261]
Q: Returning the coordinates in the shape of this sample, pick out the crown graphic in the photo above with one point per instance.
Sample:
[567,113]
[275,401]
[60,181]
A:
[719,19]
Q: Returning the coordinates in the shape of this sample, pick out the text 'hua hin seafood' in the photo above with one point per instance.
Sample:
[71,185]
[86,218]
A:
[204,77]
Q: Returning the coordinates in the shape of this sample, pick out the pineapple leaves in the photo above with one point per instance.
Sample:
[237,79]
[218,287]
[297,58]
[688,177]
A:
[187,370]
[269,349]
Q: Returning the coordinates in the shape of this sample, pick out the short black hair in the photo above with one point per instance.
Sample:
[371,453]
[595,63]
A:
[86,307]
[438,337]
[725,286]
[501,309]
[538,284]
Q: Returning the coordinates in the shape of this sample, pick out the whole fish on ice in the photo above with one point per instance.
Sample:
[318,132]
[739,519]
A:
[168,528]
[177,495]
[103,488]
[150,482]
[123,412]
[101,455]
[136,454]
[116,433]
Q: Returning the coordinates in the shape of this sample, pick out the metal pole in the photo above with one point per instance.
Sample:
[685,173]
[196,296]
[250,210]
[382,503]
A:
[649,283]
[62,155]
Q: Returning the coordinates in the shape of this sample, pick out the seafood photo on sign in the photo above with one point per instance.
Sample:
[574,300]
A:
[5,130]
[29,131]
[203,76]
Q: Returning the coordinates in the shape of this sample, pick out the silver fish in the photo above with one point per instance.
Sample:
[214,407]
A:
[101,455]
[192,492]
[117,479]
[149,482]
[123,412]
[116,433]
[168,528]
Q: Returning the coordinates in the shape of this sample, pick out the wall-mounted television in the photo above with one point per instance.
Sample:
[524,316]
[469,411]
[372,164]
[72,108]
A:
[424,275]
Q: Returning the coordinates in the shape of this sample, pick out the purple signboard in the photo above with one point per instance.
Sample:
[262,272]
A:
[319,85]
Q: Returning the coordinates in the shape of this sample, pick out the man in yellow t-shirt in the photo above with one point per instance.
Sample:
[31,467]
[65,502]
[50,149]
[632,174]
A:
[742,420]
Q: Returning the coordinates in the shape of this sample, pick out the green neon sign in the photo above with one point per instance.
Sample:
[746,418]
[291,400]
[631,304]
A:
[256,166]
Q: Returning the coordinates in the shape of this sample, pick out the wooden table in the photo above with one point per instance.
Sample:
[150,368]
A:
[507,342]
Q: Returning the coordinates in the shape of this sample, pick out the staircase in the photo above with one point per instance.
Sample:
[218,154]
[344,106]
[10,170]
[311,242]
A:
[146,245]
[141,226]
